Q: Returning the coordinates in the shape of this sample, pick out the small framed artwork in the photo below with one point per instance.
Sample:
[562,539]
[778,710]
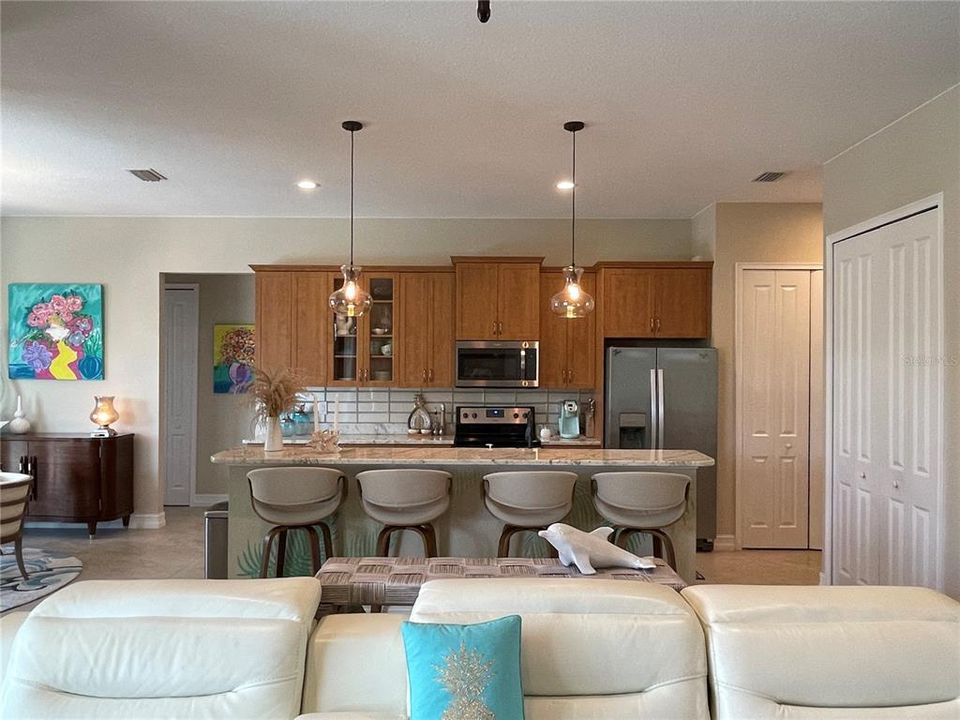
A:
[233,353]
[56,331]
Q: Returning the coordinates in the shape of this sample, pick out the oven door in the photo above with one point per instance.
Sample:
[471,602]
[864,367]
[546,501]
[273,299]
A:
[513,364]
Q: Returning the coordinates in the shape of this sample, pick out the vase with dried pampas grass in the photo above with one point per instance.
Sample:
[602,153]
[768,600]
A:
[274,391]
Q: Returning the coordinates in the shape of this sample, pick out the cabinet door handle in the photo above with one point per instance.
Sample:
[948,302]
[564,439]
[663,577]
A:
[499,327]
[423,375]
[651,324]
[494,327]
[430,378]
[658,324]
[22,465]
[32,472]
[569,376]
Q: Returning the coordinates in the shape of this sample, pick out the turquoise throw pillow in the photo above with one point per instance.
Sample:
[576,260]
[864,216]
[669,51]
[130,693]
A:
[464,672]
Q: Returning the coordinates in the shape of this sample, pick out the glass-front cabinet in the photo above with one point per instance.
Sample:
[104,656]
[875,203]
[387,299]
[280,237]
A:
[363,348]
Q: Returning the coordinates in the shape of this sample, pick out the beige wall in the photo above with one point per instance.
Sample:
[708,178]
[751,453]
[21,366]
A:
[127,255]
[914,158]
[223,420]
[703,232]
[748,232]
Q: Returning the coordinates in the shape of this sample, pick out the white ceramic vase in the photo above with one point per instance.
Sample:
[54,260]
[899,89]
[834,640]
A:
[19,425]
[273,441]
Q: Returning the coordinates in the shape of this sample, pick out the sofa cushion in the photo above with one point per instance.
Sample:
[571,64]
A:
[619,648]
[348,655]
[180,648]
[464,670]
[804,652]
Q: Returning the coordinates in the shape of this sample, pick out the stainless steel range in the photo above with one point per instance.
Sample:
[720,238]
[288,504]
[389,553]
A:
[489,426]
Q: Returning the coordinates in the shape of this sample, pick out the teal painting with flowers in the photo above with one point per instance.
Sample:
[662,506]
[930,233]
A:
[56,331]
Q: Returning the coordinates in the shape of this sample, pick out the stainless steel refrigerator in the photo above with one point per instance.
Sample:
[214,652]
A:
[666,398]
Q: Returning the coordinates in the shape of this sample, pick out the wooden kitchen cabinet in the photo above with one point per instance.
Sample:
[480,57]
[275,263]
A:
[274,319]
[426,329]
[363,350]
[567,346]
[77,478]
[312,319]
[650,300]
[498,299]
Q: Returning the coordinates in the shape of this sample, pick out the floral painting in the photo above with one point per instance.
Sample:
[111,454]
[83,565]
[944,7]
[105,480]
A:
[56,331]
[233,348]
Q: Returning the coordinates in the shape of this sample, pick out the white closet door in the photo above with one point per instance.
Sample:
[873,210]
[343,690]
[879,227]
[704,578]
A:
[181,318]
[774,416]
[818,414]
[886,399]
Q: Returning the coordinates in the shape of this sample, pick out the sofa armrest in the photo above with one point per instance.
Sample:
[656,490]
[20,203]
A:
[9,625]
[356,663]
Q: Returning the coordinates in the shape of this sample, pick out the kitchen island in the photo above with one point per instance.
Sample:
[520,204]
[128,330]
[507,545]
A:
[467,529]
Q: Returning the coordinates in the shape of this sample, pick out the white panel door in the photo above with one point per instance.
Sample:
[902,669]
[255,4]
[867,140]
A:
[774,362]
[818,414]
[886,399]
[181,320]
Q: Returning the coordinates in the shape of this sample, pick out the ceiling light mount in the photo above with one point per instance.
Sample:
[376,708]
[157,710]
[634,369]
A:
[350,300]
[483,10]
[572,301]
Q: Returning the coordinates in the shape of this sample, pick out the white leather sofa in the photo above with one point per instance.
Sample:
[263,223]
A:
[588,650]
[825,653]
[604,650]
[162,649]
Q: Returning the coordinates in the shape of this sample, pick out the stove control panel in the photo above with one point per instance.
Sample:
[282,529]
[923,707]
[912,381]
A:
[493,415]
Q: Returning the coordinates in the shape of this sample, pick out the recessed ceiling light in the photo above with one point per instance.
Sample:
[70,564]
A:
[307,185]
[564,185]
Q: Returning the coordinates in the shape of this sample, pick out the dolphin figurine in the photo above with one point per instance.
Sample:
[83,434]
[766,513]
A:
[589,550]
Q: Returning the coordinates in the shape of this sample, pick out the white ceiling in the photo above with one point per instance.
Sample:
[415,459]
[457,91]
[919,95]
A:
[684,103]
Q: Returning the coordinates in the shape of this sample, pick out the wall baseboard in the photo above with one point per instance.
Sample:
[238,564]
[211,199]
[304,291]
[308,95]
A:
[724,543]
[148,521]
[207,499]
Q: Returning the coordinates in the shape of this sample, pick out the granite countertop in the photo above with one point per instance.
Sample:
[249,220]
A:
[348,440]
[439,455]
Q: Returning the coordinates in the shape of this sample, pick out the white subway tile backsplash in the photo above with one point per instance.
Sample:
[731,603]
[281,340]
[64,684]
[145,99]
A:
[390,407]
[499,397]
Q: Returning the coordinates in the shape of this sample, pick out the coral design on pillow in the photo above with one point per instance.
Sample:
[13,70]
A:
[466,673]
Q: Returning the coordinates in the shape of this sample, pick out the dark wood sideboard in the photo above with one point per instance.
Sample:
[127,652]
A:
[77,478]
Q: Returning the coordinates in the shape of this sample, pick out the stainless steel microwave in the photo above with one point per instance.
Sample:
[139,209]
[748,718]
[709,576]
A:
[498,363]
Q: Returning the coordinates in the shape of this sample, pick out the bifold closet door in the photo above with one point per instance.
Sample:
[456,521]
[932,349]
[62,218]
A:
[773,390]
[886,398]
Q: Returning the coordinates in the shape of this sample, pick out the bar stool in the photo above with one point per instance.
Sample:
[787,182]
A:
[296,498]
[527,501]
[642,502]
[14,496]
[405,500]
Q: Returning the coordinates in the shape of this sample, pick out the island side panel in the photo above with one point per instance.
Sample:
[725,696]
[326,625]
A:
[466,530]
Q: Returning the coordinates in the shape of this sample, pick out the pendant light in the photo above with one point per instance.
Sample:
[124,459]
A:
[350,300]
[573,301]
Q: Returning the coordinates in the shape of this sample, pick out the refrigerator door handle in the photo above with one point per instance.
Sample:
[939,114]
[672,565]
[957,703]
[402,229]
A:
[660,392]
[653,409]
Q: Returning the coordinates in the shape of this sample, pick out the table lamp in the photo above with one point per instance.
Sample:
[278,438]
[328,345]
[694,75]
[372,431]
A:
[103,414]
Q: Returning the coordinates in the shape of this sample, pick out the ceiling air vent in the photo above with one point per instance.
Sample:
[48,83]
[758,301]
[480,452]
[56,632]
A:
[769,176]
[149,175]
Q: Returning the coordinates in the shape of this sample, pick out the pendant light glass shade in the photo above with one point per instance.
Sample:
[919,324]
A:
[573,301]
[350,300]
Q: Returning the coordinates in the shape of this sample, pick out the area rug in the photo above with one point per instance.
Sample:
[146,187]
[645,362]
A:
[48,573]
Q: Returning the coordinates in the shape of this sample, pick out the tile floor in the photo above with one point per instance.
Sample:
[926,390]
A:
[176,551]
